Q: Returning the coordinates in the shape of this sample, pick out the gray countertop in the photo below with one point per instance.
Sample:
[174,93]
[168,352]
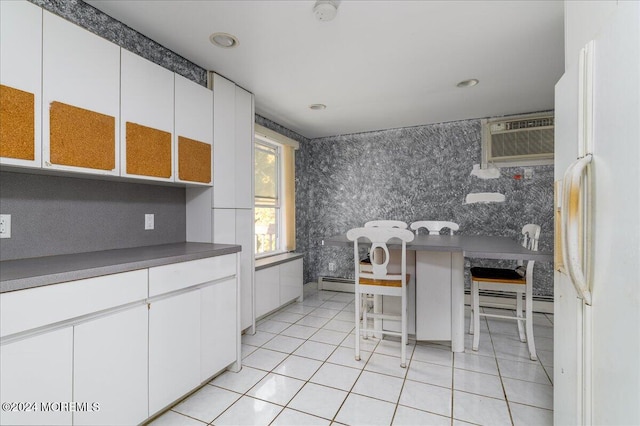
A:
[40,271]
[473,246]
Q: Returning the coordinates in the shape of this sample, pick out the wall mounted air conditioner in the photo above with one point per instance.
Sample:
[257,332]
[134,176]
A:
[518,140]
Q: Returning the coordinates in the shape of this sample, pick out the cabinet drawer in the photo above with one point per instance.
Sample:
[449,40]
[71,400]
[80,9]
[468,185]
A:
[167,278]
[27,309]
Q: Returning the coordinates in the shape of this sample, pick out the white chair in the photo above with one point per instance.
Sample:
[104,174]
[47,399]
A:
[519,281]
[434,226]
[380,281]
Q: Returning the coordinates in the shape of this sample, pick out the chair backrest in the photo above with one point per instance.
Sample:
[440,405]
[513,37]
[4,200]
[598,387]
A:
[386,224]
[531,235]
[434,226]
[379,239]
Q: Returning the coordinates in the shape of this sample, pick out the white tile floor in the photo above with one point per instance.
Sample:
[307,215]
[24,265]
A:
[299,369]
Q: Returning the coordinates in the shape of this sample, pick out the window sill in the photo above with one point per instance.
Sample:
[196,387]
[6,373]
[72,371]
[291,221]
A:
[276,259]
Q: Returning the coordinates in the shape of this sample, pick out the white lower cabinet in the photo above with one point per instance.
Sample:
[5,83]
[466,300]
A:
[110,369]
[290,281]
[218,331]
[37,370]
[267,290]
[116,349]
[174,348]
[278,285]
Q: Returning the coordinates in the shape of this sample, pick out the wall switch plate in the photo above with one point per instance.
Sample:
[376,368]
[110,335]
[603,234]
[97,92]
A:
[148,221]
[528,173]
[5,226]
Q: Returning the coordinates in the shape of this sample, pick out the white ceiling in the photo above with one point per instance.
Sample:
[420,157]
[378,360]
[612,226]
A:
[377,65]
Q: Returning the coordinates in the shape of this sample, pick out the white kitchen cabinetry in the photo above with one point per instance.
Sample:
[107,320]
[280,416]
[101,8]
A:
[278,285]
[110,368]
[218,327]
[224,164]
[146,124]
[244,176]
[34,370]
[193,132]
[267,290]
[81,99]
[193,330]
[174,348]
[290,281]
[246,237]
[21,79]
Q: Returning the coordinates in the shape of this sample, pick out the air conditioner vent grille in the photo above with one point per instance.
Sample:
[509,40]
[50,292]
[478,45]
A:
[519,141]
[533,142]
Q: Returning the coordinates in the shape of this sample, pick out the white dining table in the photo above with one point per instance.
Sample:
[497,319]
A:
[439,277]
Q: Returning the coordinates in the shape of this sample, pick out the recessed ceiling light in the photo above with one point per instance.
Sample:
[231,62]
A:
[468,83]
[224,40]
[317,106]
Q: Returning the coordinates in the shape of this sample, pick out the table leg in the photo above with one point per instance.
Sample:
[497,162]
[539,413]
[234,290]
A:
[457,302]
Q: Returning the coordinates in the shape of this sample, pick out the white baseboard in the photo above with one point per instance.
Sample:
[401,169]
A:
[541,306]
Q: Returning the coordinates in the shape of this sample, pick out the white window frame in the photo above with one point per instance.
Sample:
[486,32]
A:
[260,140]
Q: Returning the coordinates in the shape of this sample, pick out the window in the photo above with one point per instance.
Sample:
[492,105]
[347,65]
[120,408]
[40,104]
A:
[274,190]
[267,198]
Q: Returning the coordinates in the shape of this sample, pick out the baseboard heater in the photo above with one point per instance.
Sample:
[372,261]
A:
[543,304]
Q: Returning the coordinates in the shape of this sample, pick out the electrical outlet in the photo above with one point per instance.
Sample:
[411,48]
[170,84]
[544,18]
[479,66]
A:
[528,172]
[148,222]
[5,226]
[332,267]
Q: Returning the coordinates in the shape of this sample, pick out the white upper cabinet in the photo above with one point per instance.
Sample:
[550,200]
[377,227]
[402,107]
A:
[21,80]
[146,124]
[81,99]
[193,132]
[244,149]
[224,151]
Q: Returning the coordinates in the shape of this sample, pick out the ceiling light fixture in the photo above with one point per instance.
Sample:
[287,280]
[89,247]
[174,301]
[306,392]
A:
[317,107]
[325,10]
[224,40]
[468,83]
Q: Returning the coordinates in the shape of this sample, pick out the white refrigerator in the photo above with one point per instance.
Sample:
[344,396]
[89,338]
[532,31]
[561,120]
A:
[597,265]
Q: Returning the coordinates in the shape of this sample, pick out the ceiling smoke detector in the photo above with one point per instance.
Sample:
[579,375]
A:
[325,10]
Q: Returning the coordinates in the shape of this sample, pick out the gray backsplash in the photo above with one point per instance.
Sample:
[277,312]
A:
[409,174]
[53,215]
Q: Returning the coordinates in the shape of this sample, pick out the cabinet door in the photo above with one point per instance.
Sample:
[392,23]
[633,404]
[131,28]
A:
[290,281]
[224,226]
[174,348]
[224,151]
[81,99]
[194,132]
[219,328]
[267,290]
[110,368]
[21,83]
[245,237]
[37,370]
[244,149]
[146,124]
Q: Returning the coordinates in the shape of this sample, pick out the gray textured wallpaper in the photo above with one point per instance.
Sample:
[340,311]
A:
[343,181]
[409,174]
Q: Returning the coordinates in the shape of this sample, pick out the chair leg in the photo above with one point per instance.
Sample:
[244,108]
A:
[472,296]
[476,315]
[519,315]
[365,320]
[403,341]
[358,301]
[529,326]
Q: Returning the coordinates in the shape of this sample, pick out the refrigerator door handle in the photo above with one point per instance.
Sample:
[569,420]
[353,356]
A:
[572,209]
